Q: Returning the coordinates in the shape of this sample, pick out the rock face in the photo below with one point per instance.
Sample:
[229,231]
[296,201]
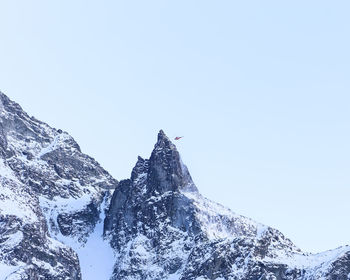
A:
[62,216]
[161,228]
[50,191]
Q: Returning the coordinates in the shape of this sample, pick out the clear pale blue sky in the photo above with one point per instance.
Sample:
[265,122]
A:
[259,89]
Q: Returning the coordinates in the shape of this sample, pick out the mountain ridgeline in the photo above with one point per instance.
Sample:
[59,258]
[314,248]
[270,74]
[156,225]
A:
[62,216]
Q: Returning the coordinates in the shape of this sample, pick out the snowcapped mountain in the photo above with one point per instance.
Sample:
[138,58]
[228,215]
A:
[62,216]
[51,198]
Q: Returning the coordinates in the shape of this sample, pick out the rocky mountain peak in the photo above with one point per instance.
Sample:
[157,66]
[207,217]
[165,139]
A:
[50,193]
[160,211]
[58,220]
[4,99]
[166,170]
[162,136]
[161,177]
[7,106]
[163,143]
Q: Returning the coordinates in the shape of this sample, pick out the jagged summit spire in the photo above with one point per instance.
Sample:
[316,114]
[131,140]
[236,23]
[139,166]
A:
[6,102]
[9,107]
[2,94]
[161,135]
[166,170]
[163,141]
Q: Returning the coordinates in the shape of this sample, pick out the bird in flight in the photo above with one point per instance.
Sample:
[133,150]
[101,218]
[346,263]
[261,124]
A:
[178,137]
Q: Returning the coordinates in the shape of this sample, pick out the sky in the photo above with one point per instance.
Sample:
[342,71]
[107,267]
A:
[259,89]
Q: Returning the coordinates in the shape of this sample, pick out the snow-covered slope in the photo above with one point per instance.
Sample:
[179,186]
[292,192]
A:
[62,216]
[51,198]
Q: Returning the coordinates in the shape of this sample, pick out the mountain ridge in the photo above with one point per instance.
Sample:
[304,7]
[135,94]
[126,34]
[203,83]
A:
[62,216]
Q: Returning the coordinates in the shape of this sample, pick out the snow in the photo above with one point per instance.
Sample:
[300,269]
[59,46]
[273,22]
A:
[7,172]
[14,205]
[57,142]
[13,240]
[53,207]
[260,231]
[20,145]
[218,221]
[13,198]
[175,276]
[60,204]
[314,264]
[7,272]
[311,260]
[96,256]
[45,265]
